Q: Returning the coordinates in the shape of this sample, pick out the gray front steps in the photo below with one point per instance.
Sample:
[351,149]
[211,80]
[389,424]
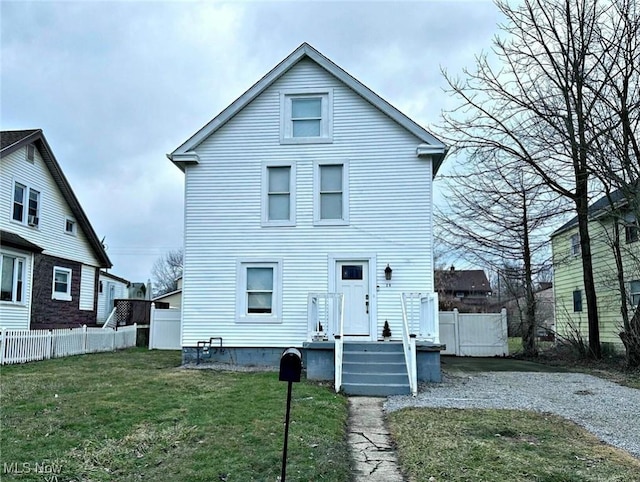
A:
[374,369]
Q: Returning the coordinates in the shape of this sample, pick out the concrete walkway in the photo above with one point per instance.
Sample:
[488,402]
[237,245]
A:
[370,443]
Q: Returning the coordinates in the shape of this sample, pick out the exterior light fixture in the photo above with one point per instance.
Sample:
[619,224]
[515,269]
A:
[387,273]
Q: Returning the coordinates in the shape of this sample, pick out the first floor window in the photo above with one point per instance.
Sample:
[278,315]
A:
[577,300]
[12,278]
[634,292]
[61,284]
[575,244]
[259,291]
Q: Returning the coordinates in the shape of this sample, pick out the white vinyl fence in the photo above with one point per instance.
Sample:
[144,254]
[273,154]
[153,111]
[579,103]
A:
[474,334]
[164,333]
[20,346]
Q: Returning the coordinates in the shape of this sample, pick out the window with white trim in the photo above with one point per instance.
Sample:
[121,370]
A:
[634,292]
[575,244]
[331,193]
[259,291]
[278,194]
[70,226]
[61,284]
[306,116]
[12,278]
[26,204]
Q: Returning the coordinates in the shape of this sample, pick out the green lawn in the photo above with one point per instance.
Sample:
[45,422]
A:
[135,415]
[503,445]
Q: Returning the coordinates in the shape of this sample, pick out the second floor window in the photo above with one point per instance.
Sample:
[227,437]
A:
[575,245]
[26,205]
[331,193]
[278,194]
[631,228]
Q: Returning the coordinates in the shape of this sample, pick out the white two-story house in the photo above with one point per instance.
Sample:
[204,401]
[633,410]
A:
[50,256]
[308,212]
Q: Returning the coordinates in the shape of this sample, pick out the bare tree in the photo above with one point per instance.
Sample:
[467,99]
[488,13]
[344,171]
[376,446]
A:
[498,213]
[166,271]
[543,105]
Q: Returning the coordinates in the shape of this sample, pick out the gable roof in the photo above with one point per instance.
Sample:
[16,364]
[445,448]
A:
[11,141]
[432,146]
[462,280]
[598,208]
[115,278]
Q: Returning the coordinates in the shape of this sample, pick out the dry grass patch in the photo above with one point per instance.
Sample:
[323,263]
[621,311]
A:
[509,445]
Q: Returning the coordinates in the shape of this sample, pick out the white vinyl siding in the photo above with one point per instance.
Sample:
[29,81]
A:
[87,287]
[17,315]
[390,214]
[61,284]
[52,209]
[120,292]
[278,194]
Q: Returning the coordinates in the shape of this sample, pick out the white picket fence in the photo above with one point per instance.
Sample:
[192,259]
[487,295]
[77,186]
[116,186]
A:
[21,346]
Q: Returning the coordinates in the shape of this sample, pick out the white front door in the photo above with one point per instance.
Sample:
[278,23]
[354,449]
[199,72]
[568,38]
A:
[353,282]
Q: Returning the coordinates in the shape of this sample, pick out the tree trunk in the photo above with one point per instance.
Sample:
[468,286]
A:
[631,338]
[529,329]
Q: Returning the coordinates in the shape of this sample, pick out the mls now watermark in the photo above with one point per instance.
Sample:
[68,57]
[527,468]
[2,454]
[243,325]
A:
[47,468]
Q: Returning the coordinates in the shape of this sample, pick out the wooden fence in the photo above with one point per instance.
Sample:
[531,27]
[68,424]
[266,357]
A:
[21,346]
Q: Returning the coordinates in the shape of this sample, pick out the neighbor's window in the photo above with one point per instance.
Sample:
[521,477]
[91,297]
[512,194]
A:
[331,194]
[69,226]
[11,278]
[61,284]
[259,291]
[634,292]
[31,153]
[577,300]
[575,244]
[26,204]
[278,194]
[630,228]
[306,117]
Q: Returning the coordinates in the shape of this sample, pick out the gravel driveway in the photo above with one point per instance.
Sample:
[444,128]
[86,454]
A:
[609,411]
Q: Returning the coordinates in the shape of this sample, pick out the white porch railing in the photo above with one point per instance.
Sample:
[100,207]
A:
[324,311]
[422,315]
[339,347]
[21,346]
[409,346]
[111,321]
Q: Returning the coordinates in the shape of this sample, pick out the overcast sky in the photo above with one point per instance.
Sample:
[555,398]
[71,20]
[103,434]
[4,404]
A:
[116,85]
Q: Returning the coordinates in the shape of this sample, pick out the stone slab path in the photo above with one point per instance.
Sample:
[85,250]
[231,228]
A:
[370,443]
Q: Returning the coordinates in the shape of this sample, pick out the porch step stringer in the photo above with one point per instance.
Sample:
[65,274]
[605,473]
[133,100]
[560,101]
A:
[374,369]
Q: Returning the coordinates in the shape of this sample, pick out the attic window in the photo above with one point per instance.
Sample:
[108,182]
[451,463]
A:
[31,153]
[69,226]
[306,117]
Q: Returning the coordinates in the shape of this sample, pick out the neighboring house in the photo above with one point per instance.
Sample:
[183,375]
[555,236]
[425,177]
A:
[50,255]
[308,184]
[467,290]
[173,298]
[110,288]
[570,302]
[139,291]
[545,320]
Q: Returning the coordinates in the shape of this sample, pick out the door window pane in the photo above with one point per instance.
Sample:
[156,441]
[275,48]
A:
[352,272]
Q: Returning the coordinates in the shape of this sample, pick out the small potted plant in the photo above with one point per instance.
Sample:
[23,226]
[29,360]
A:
[386,331]
[319,335]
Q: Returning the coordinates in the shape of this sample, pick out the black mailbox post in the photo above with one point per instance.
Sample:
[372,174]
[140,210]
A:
[290,369]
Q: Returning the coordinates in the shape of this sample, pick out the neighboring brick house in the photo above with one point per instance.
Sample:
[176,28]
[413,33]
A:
[50,256]
[467,290]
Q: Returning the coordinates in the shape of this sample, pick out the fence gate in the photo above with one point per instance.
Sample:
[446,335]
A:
[164,333]
[474,334]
